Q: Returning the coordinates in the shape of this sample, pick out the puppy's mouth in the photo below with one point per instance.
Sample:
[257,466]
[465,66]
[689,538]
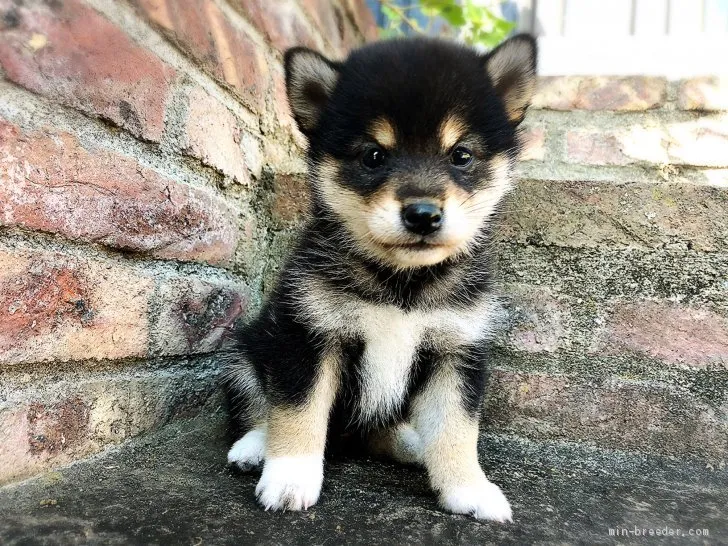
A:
[416,245]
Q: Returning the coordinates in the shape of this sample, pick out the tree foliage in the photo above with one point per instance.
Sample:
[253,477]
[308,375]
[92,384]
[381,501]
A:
[475,22]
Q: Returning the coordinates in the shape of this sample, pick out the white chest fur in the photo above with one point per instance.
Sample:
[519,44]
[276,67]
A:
[391,338]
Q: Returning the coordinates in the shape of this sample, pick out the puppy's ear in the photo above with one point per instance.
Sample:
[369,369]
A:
[512,70]
[310,80]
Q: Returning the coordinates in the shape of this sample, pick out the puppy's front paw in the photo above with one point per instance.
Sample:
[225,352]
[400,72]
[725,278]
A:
[290,483]
[484,500]
[248,452]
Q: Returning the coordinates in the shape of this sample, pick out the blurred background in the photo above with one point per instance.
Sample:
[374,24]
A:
[673,38]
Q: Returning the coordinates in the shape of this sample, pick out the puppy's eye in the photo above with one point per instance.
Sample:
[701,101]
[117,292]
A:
[373,158]
[461,157]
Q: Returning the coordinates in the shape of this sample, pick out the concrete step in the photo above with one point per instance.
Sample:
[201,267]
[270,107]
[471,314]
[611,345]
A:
[173,488]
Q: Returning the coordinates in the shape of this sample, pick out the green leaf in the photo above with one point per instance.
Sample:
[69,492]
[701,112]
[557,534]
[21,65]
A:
[390,14]
[454,15]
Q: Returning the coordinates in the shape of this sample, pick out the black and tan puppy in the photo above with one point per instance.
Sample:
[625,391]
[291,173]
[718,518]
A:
[381,316]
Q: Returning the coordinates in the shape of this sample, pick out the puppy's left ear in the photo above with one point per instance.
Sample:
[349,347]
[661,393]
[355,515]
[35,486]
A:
[512,70]
[310,80]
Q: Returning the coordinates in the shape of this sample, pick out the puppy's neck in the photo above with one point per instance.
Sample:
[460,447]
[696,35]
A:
[334,257]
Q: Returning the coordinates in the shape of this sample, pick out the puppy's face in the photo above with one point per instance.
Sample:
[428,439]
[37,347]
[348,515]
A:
[412,142]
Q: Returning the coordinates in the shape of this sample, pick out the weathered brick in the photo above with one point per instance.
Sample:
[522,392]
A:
[68,52]
[213,134]
[702,142]
[329,18]
[630,93]
[597,275]
[290,199]
[363,18]
[49,182]
[282,112]
[618,215]
[281,22]
[673,333]
[194,315]
[41,430]
[614,413]
[633,144]
[533,142]
[706,93]
[200,29]
[540,320]
[55,306]
[350,38]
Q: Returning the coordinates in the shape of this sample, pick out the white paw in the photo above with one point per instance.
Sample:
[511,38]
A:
[290,483]
[483,500]
[248,452]
[408,448]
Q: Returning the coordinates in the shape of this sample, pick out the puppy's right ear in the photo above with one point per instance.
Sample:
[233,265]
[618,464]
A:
[310,80]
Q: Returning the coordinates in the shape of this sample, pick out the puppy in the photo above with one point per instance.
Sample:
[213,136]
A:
[381,315]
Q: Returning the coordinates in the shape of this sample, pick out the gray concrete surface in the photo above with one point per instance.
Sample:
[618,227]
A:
[174,488]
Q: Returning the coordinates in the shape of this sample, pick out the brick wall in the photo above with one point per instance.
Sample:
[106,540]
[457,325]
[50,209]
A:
[149,171]
[615,254]
[151,179]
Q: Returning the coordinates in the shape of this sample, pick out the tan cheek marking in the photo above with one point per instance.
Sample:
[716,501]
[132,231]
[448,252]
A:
[382,130]
[344,202]
[451,131]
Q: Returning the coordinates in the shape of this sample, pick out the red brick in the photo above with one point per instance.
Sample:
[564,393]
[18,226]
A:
[195,315]
[329,18]
[54,306]
[632,144]
[350,38]
[213,134]
[281,22]
[71,419]
[200,29]
[706,93]
[282,118]
[632,415]
[363,18]
[632,93]
[291,199]
[533,144]
[672,333]
[68,52]
[49,182]
[594,148]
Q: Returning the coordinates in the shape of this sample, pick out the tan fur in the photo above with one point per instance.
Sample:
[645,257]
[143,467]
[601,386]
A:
[301,430]
[451,131]
[449,435]
[382,131]
[397,443]
[516,96]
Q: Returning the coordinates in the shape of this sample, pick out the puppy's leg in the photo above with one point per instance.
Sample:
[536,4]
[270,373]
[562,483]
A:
[248,452]
[448,425]
[296,438]
[248,409]
[400,442]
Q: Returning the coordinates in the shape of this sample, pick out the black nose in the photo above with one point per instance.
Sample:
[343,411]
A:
[422,218]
